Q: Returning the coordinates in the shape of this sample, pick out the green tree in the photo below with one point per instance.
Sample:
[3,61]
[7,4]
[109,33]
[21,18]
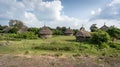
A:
[93,28]
[16,23]
[100,37]
[114,33]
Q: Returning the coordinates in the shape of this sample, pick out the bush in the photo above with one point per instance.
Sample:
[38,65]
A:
[114,32]
[26,35]
[18,36]
[115,45]
[103,45]
[100,37]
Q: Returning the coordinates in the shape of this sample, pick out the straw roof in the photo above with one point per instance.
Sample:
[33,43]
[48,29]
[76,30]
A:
[23,29]
[68,31]
[104,27]
[45,31]
[82,33]
[6,29]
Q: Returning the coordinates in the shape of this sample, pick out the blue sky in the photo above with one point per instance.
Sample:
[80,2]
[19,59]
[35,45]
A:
[82,8]
[69,13]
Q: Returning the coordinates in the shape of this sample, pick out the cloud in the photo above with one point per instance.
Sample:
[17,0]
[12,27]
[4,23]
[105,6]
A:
[36,13]
[111,11]
[109,14]
[114,2]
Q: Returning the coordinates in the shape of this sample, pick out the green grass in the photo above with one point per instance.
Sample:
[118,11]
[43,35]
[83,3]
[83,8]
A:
[58,46]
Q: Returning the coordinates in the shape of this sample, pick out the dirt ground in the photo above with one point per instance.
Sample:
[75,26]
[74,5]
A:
[50,61]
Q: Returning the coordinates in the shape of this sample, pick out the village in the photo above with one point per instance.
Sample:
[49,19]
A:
[19,40]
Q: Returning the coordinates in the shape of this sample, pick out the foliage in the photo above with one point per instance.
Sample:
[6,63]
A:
[75,31]
[114,32]
[26,35]
[100,37]
[93,28]
[115,45]
[17,36]
[13,30]
[57,32]
[16,23]
[34,30]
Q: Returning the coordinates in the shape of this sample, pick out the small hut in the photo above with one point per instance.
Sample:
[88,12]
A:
[45,32]
[82,35]
[104,28]
[68,32]
[23,29]
[6,29]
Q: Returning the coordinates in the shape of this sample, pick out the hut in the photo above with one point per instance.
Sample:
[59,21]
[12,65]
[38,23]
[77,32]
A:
[82,35]
[45,32]
[6,29]
[68,32]
[104,28]
[23,29]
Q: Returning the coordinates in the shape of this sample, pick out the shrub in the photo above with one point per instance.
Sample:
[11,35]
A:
[114,32]
[26,35]
[115,45]
[103,45]
[100,37]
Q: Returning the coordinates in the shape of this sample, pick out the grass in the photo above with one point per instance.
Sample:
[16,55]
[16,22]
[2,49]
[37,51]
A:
[58,46]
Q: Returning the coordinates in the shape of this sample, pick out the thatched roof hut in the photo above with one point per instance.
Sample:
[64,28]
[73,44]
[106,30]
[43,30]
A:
[68,32]
[104,28]
[6,29]
[45,32]
[23,29]
[82,35]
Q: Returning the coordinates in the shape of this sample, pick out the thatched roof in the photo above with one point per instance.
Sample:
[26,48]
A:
[6,29]
[45,31]
[68,31]
[82,33]
[104,28]
[23,29]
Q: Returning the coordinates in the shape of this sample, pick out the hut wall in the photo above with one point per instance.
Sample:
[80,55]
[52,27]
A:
[80,39]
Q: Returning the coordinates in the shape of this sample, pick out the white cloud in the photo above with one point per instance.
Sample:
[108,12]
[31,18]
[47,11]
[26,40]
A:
[36,12]
[93,12]
[109,14]
[114,2]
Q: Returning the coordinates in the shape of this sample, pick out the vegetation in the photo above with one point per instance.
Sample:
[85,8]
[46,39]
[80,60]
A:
[93,28]
[114,33]
[66,45]
[100,37]
[28,42]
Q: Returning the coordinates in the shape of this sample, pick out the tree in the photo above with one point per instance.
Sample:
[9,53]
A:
[100,37]
[16,23]
[114,33]
[93,28]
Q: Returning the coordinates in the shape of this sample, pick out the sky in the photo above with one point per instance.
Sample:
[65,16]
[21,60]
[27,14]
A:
[69,13]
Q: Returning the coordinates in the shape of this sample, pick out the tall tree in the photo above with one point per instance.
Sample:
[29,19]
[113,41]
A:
[114,33]
[93,28]
[16,23]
